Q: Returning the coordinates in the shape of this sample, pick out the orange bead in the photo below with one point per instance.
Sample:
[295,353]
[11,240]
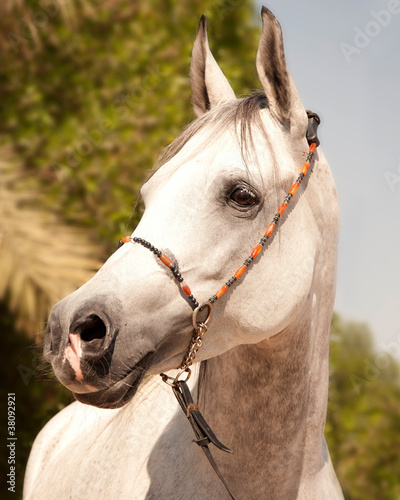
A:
[185,288]
[305,167]
[312,147]
[269,230]
[166,260]
[294,188]
[222,291]
[240,271]
[126,239]
[256,251]
[282,208]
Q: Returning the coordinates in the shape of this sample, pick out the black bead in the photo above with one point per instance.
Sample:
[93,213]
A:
[180,279]
[190,297]
[173,268]
[212,300]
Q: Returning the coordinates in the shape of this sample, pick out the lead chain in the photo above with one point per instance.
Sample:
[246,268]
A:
[195,344]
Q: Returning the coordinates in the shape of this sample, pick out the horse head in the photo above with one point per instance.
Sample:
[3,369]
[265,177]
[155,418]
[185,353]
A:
[219,184]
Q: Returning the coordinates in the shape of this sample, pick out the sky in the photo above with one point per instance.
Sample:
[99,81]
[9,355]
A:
[344,57]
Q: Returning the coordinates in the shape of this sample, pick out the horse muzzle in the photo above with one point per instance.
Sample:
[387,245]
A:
[84,357]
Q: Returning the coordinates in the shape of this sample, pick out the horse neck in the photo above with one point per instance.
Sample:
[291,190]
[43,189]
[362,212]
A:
[268,403]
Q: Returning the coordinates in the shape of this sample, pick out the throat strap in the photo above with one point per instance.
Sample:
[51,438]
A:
[202,431]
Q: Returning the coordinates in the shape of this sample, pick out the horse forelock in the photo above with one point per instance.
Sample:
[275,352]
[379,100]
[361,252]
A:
[242,115]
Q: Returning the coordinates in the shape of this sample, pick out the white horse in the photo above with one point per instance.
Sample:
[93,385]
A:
[264,364]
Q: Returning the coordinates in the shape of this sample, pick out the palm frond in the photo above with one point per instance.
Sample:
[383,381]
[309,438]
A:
[42,259]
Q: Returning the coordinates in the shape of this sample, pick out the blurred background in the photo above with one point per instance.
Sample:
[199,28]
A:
[90,93]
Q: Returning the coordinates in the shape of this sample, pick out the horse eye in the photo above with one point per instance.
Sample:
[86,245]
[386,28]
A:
[243,197]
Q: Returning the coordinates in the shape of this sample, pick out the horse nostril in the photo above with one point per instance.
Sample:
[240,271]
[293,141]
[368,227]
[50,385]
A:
[93,328]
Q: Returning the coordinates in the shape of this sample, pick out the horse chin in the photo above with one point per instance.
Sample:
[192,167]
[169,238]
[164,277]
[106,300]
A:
[121,392]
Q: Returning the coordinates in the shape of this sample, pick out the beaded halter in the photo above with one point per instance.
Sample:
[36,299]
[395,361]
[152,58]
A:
[200,327]
[204,434]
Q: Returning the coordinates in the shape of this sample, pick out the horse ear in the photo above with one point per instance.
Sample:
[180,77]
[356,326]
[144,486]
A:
[209,85]
[274,75]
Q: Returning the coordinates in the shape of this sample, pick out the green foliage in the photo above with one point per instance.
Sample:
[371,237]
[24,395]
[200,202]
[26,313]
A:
[363,425]
[98,89]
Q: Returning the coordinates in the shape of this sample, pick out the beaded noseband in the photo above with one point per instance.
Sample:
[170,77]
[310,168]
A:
[201,429]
